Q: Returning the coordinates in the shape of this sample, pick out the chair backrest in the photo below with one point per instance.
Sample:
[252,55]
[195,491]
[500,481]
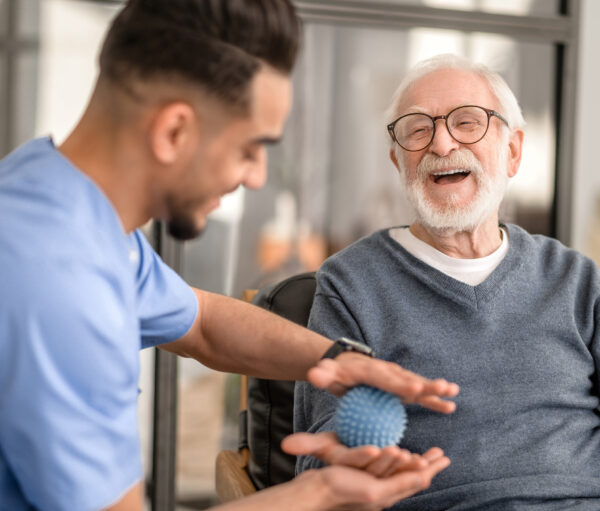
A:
[271,402]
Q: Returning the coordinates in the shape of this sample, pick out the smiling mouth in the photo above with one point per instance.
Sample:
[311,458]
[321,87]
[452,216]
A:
[446,177]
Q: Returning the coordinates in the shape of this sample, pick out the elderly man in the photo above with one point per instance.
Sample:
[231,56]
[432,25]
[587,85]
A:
[511,317]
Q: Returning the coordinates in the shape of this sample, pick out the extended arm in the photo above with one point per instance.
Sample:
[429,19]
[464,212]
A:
[338,488]
[234,336]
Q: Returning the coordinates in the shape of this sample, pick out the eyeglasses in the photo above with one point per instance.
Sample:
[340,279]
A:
[466,124]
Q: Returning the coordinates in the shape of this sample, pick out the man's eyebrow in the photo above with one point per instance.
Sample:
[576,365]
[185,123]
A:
[265,140]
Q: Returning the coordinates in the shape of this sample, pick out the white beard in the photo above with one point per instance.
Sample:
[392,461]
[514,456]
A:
[449,217]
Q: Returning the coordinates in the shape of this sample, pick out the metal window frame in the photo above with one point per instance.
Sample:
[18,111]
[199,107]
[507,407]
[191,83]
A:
[162,487]
[12,44]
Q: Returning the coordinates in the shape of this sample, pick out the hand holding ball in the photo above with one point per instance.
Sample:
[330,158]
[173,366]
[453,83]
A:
[369,416]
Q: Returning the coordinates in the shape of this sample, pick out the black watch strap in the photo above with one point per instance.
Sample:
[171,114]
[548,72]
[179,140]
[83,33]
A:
[343,344]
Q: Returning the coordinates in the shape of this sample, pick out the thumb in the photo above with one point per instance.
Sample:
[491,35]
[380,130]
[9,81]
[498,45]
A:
[323,374]
[307,443]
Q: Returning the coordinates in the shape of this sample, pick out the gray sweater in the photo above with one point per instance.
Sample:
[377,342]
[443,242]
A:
[523,345]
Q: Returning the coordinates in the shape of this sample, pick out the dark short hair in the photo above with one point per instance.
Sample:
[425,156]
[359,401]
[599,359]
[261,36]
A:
[216,44]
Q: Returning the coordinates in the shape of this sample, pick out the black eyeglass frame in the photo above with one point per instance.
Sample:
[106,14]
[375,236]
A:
[490,113]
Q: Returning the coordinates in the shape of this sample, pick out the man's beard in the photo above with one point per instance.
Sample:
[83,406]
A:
[183,228]
[182,224]
[450,217]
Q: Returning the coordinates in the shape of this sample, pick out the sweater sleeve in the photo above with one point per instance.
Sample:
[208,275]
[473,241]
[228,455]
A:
[314,409]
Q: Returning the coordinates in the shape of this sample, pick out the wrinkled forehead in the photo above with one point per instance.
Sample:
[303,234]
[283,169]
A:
[440,91]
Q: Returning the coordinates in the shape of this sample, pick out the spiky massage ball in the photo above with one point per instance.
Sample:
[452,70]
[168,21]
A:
[369,416]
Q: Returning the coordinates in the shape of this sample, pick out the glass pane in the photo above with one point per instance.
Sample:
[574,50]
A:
[70,38]
[4,149]
[25,91]
[3,17]
[28,17]
[513,7]
[205,423]
[334,162]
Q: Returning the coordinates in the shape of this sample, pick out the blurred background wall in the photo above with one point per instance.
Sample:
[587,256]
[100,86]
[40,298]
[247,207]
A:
[330,180]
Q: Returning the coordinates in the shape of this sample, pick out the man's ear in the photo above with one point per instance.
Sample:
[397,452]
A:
[394,158]
[515,146]
[172,130]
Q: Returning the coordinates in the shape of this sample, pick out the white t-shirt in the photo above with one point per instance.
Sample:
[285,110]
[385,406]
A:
[469,271]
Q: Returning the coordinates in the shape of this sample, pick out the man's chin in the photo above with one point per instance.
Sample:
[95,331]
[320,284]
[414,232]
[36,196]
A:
[185,230]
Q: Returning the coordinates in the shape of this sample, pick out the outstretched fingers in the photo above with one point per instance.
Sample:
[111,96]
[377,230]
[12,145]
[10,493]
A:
[326,447]
[378,462]
[351,369]
[352,489]
[393,460]
[407,484]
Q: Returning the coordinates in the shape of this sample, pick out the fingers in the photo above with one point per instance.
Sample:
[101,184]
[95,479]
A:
[373,460]
[368,477]
[435,403]
[300,444]
[407,484]
[327,448]
[351,369]
[392,460]
[433,454]
[358,490]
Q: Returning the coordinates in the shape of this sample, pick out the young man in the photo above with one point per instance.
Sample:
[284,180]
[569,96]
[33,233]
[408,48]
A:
[511,317]
[188,95]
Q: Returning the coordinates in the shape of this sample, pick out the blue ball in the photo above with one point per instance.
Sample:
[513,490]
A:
[369,416]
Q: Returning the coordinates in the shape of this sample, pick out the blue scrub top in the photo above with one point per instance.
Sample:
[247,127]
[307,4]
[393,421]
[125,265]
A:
[78,299]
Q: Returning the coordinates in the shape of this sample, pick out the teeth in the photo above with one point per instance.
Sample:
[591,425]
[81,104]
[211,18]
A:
[450,172]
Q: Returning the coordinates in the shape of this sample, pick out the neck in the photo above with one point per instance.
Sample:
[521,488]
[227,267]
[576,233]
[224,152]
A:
[109,155]
[480,242]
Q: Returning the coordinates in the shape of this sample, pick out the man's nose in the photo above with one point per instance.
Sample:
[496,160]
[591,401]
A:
[443,143]
[256,173]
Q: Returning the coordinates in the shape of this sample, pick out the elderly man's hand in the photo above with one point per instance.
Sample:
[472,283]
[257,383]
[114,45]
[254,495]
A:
[350,369]
[368,478]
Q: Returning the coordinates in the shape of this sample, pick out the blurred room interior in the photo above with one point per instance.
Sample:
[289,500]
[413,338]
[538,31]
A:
[330,180]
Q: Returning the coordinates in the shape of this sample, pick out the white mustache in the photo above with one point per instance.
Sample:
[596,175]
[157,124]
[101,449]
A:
[462,159]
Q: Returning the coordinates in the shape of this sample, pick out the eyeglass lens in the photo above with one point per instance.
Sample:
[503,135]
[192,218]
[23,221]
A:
[467,125]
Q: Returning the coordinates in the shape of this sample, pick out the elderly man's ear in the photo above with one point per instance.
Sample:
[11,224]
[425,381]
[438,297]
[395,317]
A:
[515,146]
[394,158]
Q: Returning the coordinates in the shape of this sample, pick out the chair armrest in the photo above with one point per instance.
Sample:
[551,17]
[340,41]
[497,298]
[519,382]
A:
[232,480]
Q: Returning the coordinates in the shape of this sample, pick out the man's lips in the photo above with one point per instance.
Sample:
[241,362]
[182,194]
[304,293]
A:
[451,176]
[216,201]
[213,204]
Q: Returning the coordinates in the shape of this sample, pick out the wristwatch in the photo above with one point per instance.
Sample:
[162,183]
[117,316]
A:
[344,344]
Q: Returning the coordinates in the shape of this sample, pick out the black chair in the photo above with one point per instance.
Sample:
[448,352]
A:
[267,406]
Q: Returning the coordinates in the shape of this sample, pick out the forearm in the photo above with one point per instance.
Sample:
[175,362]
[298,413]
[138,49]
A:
[234,336]
[307,492]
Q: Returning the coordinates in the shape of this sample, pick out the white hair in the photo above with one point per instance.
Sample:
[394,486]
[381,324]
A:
[509,106]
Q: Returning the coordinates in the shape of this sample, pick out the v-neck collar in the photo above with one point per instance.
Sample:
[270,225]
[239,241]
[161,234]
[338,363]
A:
[465,294]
